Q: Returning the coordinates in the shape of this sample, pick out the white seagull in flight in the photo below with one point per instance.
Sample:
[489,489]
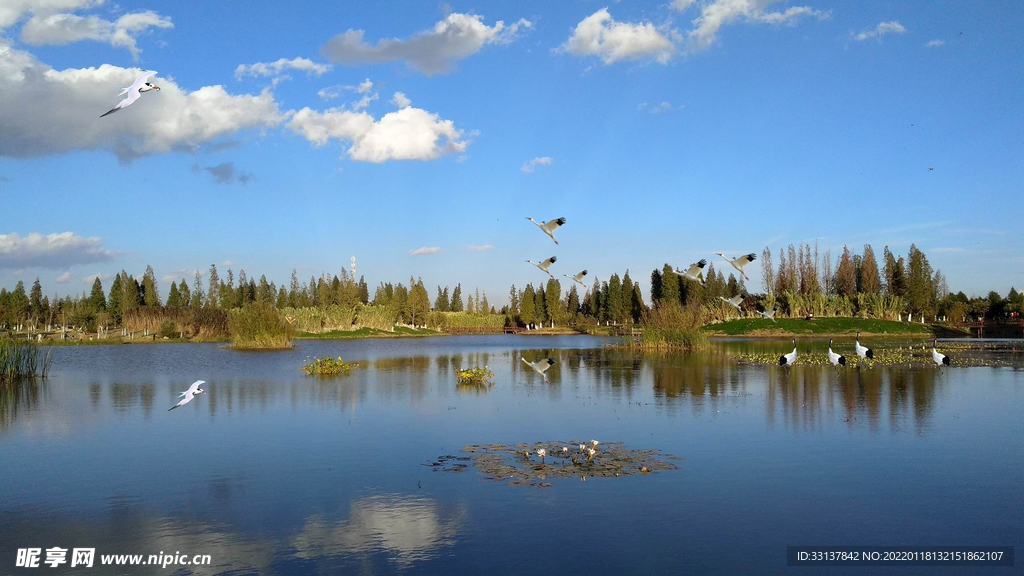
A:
[741,262]
[189,394]
[540,366]
[694,272]
[135,91]
[578,278]
[549,227]
[545,264]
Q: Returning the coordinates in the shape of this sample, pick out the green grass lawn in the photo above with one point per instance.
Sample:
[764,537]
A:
[818,326]
[369,333]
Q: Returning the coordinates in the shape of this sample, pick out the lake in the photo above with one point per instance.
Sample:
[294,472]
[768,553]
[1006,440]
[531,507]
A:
[275,472]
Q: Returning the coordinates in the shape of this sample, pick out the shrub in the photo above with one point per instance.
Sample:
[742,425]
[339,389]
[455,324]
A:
[673,326]
[260,326]
[168,329]
[23,360]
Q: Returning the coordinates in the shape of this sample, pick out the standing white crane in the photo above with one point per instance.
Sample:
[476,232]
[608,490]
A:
[735,301]
[837,360]
[189,394]
[549,227]
[695,272]
[578,278]
[540,366]
[769,314]
[788,359]
[939,358]
[739,263]
[545,264]
[863,351]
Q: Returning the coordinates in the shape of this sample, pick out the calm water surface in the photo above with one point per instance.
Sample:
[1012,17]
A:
[276,472]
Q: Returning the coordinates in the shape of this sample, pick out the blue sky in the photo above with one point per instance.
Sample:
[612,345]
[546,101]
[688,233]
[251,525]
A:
[674,131]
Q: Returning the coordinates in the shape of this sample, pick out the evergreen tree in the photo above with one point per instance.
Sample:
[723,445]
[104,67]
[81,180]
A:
[114,301]
[528,307]
[420,303]
[485,307]
[264,293]
[197,292]
[213,289]
[150,293]
[282,298]
[869,280]
[638,302]
[656,286]
[18,302]
[732,287]
[227,298]
[540,304]
[35,300]
[469,304]
[626,296]
[364,291]
[440,303]
[553,302]
[615,311]
[173,297]
[846,275]
[185,293]
[456,305]
[572,304]
[97,301]
[513,301]
[920,291]
[669,285]
[595,301]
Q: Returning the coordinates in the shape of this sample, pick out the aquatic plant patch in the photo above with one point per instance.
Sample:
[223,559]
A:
[537,464]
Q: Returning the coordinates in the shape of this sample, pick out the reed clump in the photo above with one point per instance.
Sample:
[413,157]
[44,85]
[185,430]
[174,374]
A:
[671,326]
[260,327]
[327,366]
[23,360]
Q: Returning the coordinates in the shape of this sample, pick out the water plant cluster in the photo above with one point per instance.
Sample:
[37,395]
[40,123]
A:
[535,464]
[327,366]
[474,376]
[23,360]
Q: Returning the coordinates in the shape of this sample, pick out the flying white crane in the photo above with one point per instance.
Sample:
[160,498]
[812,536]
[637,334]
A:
[837,360]
[578,277]
[769,314]
[788,359]
[695,272]
[863,351]
[541,366]
[134,91]
[545,264]
[739,263]
[549,227]
[735,301]
[939,358]
[189,394]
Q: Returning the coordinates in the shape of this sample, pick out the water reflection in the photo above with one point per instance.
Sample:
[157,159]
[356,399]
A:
[19,396]
[406,528]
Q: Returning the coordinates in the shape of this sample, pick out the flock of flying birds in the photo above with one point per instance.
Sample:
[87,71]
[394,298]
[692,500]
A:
[695,272]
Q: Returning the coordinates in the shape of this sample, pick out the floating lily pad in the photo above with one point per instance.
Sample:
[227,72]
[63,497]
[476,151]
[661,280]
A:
[520,465]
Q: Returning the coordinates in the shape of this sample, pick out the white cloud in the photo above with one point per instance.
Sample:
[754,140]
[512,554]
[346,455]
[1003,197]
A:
[43,111]
[11,11]
[935,43]
[406,134]
[188,274]
[600,35]
[65,28]
[718,13]
[64,278]
[54,251]
[92,278]
[531,165]
[336,91]
[883,28]
[681,5]
[278,67]
[228,263]
[400,100]
[432,51]
[659,108]
[224,173]
[483,248]
[424,250]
